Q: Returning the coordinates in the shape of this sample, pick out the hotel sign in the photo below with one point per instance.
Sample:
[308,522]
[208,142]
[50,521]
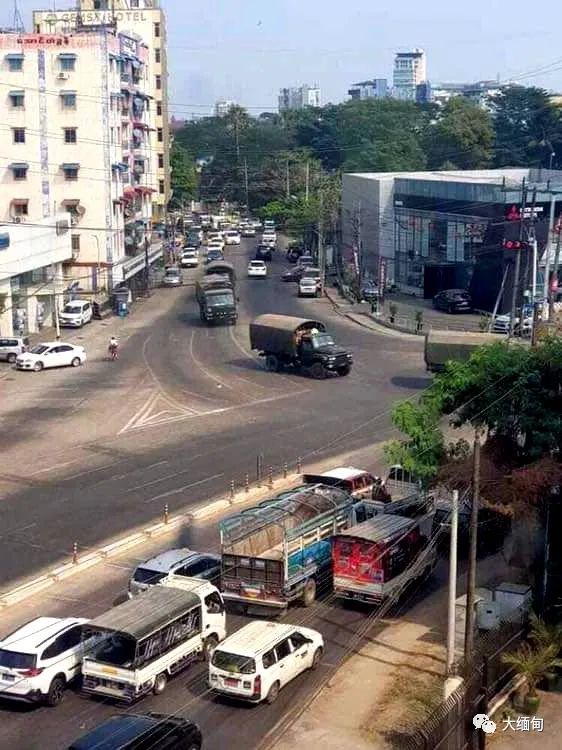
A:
[93,17]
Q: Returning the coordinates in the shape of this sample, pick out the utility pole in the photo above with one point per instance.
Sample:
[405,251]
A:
[246,182]
[554,270]
[321,258]
[550,246]
[146,266]
[307,182]
[517,271]
[452,584]
[473,539]
[287,181]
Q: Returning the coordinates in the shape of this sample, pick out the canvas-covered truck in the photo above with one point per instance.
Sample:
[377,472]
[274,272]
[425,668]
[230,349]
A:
[286,341]
[279,551]
[443,346]
[216,295]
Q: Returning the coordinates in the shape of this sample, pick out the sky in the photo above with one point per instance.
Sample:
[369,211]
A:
[246,50]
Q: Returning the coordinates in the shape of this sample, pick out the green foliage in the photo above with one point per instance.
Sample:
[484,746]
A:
[545,634]
[534,663]
[184,176]
[461,137]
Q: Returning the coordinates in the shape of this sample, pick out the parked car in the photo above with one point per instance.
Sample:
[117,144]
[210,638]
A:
[189,258]
[140,732]
[12,346]
[172,276]
[453,300]
[257,269]
[255,662]
[308,287]
[51,354]
[232,237]
[294,253]
[296,273]
[501,325]
[214,253]
[181,562]
[76,313]
[40,658]
[263,252]
[369,291]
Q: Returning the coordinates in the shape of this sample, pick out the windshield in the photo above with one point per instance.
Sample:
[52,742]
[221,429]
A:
[233,662]
[39,349]
[16,660]
[172,272]
[322,339]
[72,309]
[217,300]
[146,575]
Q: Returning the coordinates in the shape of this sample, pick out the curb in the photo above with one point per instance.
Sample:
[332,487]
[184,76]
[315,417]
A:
[374,325]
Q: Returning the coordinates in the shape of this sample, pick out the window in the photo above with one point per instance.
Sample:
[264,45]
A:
[268,659]
[75,242]
[159,109]
[67,63]
[157,55]
[156,29]
[283,649]
[68,100]
[69,135]
[161,188]
[160,161]
[17,99]
[19,135]
[19,171]
[158,82]
[134,3]
[298,640]
[19,208]
[213,602]
[15,64]
[160,135]
[70,171]
[72,637]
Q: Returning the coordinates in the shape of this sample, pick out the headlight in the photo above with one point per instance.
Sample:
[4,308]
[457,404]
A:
[213,677]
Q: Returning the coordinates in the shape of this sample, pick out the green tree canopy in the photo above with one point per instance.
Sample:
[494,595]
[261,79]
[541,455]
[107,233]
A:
[184,176]
[461,137]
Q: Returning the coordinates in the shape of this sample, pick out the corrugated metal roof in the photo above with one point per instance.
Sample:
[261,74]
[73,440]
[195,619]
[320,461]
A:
[380,528]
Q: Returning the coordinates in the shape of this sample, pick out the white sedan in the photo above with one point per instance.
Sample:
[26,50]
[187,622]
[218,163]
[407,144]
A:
[257,268]
[189,258]
[231,237]
[51,354]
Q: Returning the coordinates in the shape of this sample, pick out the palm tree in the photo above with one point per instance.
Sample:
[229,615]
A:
[533,663]
[543,634]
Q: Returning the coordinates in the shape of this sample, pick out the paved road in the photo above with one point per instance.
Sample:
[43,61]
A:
[90,453]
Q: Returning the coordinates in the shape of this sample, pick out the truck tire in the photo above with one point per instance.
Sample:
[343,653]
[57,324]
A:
[309,593]
[344,370]
[160,683]
[210,643]
[317,371]
[272,363]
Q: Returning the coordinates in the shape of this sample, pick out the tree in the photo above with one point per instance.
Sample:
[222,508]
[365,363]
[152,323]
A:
[184,176]
[461,137]
[528,127]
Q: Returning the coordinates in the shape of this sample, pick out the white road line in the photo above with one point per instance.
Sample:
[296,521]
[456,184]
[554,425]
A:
[167,476]
[204,369]
[185,487]
[90,471]
[53,467]
[137,416]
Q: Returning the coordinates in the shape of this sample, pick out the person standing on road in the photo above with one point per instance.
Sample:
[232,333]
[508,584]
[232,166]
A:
[113,348]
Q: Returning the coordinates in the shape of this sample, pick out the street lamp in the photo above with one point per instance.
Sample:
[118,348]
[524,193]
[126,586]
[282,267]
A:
[552,155]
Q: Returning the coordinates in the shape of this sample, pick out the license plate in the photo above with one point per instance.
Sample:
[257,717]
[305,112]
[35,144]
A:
[109,670]
[8,677]
[231,681]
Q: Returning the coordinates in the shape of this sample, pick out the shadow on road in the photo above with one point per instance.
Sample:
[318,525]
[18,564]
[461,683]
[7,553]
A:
[411,383]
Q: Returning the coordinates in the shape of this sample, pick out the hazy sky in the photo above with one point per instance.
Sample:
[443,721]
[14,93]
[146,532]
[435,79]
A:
[247,49]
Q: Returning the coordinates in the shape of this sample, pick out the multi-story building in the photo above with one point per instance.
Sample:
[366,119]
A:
[299,97]
[478,93]
[31,269]
[410,70]
[75,138]
[146,19]
[377,88]
[223,107]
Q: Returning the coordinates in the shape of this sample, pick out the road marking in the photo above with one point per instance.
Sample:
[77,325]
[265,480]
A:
[90,471]
[167,476]
[204,369]
[181,489]
[168,410]
[54,466]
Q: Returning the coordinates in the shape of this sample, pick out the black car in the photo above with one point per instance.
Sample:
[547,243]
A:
[294,274]
[369,291]
[213,255]
[453,301]
[140,732]
[263,252]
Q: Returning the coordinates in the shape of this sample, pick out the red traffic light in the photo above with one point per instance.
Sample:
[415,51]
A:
[513,244]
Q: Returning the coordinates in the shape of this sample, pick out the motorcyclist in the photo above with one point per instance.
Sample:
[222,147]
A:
[113,347]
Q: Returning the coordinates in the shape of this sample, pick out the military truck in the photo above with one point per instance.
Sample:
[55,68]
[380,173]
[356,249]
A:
[216,295]
[287,341]
[443,346]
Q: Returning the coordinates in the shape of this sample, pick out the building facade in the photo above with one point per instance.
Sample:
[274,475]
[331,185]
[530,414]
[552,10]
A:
[377,88]
[410,71]
[478,93]
[75,138]
[223,107]
[147,20]
[31,272]
[299,97]
[436,230]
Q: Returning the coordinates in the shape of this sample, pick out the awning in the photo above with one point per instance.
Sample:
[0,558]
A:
[119,167]
[67,56]
[113,56]
[141,157]
[67,92]
[70,165]
[14,56]
[116,95]
[129,192]
[136,64]
[118,201]
[19,202]
[73,205]
[17,92]
[19,165]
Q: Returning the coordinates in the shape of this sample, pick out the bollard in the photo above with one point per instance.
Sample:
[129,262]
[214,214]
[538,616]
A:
[75,553]
[259,468]
[232,489]
[166,514]
[247,483]
[285,470]
[299,465]
[270,477]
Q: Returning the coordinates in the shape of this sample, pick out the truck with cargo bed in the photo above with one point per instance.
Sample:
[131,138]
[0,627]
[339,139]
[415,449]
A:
[216,294]
[444,346]
[287,341]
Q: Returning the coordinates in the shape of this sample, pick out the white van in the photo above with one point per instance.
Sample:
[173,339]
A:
[76,313]
[141,643]
[258,660]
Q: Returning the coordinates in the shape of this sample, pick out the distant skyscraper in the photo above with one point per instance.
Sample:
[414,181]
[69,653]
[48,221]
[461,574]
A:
[410,71]
[299,97]
[223,106]
[377,88]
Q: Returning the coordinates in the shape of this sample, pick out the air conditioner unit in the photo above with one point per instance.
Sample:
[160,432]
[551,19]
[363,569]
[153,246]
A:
[17,219]
[73,221]
[62,77]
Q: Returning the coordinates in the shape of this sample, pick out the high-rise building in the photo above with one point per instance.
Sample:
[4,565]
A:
[377,88]
[410,71]
[299,97]
[223,106]
[146,19]
[76,139]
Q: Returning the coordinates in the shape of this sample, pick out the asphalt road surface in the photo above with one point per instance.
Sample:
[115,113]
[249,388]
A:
[89,454]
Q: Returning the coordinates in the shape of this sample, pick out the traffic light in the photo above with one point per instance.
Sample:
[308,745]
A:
[514,244]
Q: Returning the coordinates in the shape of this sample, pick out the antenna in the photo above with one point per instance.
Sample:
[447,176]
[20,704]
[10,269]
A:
[18,21]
